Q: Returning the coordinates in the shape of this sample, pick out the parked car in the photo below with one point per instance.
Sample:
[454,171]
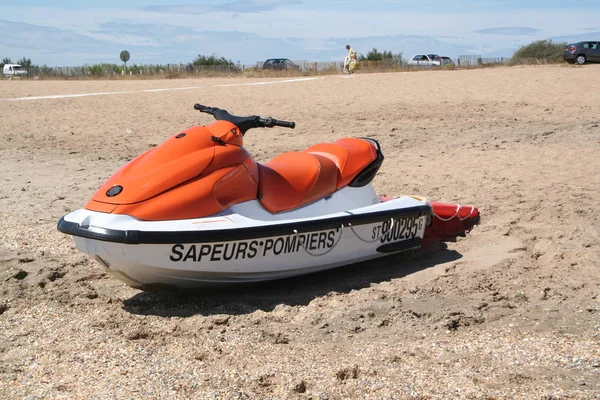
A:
[582,52]
[425,60]
[446,60]
[279,64]
[13,70]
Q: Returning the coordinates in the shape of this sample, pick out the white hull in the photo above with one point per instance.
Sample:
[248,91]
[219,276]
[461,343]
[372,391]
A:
[248,244]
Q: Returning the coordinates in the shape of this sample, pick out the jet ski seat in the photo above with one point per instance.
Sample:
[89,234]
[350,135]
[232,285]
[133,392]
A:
[350,155]
[294,179]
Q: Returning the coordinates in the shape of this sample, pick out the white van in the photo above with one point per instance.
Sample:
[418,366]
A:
[13,69]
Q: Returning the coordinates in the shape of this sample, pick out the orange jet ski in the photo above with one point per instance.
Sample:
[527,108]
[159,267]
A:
[198,210]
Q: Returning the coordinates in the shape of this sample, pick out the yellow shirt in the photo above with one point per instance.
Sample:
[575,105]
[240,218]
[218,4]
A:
[352,53]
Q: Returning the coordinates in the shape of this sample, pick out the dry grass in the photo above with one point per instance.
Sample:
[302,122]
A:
[310,69]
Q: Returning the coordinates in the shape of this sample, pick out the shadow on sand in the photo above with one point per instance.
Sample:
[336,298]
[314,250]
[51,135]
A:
[247,298]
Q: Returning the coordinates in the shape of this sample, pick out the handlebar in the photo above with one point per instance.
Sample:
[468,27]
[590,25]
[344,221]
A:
[244,123]
[271,122]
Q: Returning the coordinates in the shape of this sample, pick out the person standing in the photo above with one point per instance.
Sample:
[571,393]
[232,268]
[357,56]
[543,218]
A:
[351,61]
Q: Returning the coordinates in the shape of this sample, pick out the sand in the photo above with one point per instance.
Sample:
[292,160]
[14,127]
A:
[510,311]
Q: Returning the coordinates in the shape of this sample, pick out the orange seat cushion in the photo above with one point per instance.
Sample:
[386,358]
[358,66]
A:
[294,179]
[350,156]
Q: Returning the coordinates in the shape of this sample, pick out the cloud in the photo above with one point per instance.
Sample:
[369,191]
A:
[510,31]
[578,38]
[143,34]
[160,43]
[62,47]
[250,47]
[240,6]
[34,37]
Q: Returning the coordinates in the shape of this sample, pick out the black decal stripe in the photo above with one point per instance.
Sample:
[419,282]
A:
[233,234]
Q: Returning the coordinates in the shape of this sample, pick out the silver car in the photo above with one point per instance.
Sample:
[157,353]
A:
[429,60]
[425,60]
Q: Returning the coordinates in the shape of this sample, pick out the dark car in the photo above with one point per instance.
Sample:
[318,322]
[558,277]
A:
[582,52]
[279,64]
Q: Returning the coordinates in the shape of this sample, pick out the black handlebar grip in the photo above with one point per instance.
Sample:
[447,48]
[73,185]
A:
[206,109]
[286,124]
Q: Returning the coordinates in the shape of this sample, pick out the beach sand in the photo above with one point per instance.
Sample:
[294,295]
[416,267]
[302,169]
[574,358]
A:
[510,311]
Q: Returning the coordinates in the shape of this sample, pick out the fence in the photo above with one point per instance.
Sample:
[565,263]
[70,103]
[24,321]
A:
[168,70]
[107,70]
[312,66]
[337,66]
[174,70]
[474,60]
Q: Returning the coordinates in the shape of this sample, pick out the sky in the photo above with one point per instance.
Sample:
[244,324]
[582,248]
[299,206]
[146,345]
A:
[71,33]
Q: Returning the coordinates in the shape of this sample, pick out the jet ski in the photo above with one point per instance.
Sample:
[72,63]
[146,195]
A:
[198,210]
